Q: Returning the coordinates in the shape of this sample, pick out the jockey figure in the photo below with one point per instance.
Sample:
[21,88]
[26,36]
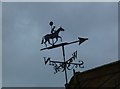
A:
[52,30]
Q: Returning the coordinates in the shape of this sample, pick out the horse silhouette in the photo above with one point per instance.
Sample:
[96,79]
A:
[47,37]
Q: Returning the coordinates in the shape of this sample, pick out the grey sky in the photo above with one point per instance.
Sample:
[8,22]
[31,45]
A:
[24,24]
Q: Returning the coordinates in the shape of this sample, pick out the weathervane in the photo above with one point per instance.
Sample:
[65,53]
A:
[68,64]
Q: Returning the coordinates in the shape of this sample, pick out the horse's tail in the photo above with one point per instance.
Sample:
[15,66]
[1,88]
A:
[42,40]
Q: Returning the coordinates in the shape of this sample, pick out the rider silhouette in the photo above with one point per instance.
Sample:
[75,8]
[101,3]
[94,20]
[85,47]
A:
[52,30]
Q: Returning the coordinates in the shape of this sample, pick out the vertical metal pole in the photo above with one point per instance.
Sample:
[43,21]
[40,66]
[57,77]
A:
[63,50]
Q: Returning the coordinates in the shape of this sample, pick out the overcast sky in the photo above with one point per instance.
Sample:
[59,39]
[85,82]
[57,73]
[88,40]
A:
[24,24]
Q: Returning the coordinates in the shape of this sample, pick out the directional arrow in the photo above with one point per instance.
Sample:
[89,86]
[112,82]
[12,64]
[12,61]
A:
[80,40]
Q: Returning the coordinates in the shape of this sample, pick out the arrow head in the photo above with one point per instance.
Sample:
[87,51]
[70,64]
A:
[81,40]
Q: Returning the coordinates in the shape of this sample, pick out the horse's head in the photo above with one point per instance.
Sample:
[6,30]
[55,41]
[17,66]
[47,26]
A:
[61,29]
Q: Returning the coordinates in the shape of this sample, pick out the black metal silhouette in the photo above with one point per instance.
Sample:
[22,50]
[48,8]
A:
[52,36]
[65,65]
[80,40]
[53,31]
[51,23]
[70,64]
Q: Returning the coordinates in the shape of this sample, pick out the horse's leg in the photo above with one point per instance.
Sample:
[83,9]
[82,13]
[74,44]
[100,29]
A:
[60,38]
[42,40]
[49,42]
[56,40]
[45,43]
[53,41]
